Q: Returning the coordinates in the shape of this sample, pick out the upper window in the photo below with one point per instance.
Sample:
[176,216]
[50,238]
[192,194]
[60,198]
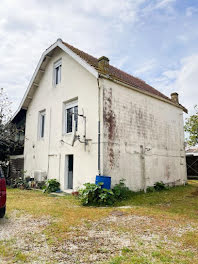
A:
[71,116]
[57,72]
[41,125]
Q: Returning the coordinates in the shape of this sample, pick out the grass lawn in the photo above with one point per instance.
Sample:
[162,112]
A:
[159,227]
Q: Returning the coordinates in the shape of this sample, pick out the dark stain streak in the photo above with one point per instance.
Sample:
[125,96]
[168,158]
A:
[110,123]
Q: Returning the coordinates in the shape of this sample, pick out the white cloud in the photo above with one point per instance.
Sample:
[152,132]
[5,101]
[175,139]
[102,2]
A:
[160,5]
[187,81]
[27,28]
[146,67]
[171,75]
[124,10]
[164,3]
[103,27]
[183,80]
[190,11]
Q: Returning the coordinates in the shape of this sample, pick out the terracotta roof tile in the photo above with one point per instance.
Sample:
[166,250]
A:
[118,74]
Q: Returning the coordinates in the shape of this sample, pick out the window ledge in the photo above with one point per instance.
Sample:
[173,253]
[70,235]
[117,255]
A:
[67,134]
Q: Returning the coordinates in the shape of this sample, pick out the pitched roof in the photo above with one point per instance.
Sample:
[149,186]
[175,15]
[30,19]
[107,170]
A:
[91,64]
[118,74]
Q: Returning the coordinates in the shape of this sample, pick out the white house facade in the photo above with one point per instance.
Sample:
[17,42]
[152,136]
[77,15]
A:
[84,117]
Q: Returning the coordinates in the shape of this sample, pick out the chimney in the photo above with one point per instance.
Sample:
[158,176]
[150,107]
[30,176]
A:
[174,98]
[103,65]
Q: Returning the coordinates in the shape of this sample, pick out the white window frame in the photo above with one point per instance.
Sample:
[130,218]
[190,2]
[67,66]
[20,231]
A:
[68,105]
[57,64]
[41,114]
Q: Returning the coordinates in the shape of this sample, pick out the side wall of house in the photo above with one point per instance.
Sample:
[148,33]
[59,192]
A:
[143,138]
[48,154]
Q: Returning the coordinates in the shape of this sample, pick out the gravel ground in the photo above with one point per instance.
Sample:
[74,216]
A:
[92,242]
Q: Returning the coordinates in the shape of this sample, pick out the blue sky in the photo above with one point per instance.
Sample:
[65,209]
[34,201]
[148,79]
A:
[155,40]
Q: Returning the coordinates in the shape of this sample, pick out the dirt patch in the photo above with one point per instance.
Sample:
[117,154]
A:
[23,233]
[195,193]
[117,213]
[17,225]
[96,242]
[92,242]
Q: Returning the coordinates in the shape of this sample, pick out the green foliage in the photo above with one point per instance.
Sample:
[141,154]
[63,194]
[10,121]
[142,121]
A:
[41,185]
[94,194]
[20,183]
[150,189]
[121,191]
[158,186]
[191,127]
[27,179]
[52,186]
[126,250]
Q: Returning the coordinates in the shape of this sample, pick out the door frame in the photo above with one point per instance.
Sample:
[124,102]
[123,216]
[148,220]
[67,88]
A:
[66,173]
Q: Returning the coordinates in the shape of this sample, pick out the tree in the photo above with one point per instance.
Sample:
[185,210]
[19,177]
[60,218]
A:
[8,130]
[191,127]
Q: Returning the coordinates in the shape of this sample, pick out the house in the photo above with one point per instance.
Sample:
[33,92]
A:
[85,117]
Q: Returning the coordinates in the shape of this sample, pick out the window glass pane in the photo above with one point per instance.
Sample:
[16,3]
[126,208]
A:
[76,116]
[59,74]
[56,75]
[42,125]
[69,120]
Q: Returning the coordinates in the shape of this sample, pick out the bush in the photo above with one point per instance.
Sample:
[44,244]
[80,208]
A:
[121,191]
[150,189]
[94,194]
[158,186]
[52,186]
[20,183]
[41,185]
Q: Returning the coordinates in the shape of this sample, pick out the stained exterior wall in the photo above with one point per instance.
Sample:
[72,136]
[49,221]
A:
[143,138]
[48,155]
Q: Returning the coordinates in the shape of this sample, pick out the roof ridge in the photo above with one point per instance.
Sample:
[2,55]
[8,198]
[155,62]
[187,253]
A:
[74,49]
[140,80]
[119,74]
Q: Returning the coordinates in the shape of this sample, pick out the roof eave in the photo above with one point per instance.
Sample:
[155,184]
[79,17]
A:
[59,44]
[110,78]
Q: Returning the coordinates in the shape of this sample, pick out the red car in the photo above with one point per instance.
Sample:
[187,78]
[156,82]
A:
[2,194]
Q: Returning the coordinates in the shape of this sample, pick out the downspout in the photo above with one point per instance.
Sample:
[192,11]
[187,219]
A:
[99,155]
[49,141]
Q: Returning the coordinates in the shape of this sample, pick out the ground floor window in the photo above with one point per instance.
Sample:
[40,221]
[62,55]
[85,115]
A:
[71,116]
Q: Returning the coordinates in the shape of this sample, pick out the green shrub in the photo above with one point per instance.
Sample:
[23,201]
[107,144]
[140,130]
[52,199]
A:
[94,194]
[52,186]
[20,183]
[150,189]
[27,179]
[41,185]
[121,191]
[158,186]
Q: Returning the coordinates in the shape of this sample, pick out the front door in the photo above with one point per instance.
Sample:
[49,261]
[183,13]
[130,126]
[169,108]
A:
[68,172]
